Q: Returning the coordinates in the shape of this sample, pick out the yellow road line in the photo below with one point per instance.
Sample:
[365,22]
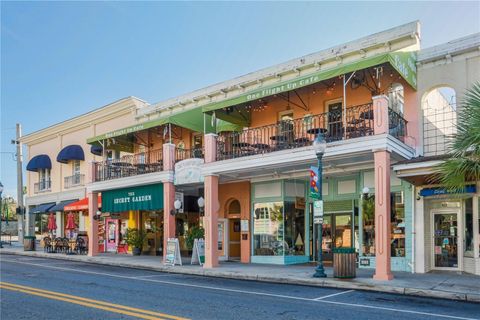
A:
[135,312]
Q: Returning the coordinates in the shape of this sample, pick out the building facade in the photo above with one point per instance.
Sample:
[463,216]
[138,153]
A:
[234,159]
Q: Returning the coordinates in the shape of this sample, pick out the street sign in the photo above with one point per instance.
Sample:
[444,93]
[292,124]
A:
[317,220]
[318,208]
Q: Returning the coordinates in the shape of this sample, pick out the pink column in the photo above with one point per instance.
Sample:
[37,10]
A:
[382,215]
[380,114]
[168,195]
[210,221]
[93,225]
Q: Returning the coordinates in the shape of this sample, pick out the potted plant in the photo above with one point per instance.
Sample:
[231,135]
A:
[135,238]
[193,233]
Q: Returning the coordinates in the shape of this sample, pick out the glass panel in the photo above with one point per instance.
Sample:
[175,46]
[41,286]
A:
[397,224]
[294,226]
[445,240]
[327,238]
[468,234]
[368,218]
[268,229]
[343,230]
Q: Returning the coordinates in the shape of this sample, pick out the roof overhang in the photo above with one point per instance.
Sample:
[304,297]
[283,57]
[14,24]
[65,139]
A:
[419,173]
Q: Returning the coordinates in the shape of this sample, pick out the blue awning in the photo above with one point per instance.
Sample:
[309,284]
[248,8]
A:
[71,152]
[59,206]
[96,150]
[42,208]
[428,192]
[42,161]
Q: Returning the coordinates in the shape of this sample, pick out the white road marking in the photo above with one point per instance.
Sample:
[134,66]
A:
[333,295]
[435,315]
[150,276]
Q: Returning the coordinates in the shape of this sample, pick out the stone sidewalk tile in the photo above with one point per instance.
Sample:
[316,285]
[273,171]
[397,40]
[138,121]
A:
[412,285]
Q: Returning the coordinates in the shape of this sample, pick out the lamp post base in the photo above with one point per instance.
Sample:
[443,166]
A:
[319,272]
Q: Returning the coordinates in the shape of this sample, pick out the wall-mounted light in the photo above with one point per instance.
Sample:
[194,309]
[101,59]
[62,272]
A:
[365,192]
[201,206]
[177,205]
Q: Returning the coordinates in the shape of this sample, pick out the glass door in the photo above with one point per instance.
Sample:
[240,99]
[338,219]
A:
[327,238]
[343,230]
[112,237]
[445,240]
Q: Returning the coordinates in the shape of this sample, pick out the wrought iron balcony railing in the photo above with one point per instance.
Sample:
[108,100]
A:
[74,181]
[397,125]
[182,154]
[297,133]
[42,186]
[129,165]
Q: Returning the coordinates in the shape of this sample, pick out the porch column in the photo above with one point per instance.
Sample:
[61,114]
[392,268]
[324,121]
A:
[210,220]
[168,196]
[59,222]
[93,224]
[380,114]
[382,215]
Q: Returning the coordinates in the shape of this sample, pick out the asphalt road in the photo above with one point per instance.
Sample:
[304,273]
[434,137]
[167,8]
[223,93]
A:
[37,288]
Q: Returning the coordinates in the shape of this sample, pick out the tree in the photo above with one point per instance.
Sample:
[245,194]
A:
[463,164]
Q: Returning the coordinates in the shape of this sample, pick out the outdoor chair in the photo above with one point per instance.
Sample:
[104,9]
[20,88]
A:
[58,243]
[80,246]
[47,245]
[66,245]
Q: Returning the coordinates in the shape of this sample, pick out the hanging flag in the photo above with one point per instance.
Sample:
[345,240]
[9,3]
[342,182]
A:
[314,187]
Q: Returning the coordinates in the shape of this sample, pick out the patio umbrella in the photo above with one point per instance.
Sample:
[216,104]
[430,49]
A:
[70,222]
[52,224]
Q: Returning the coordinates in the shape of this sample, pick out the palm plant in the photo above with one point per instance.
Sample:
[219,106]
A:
[463,164]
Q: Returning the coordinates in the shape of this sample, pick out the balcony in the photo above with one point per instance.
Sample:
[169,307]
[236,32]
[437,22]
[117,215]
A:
[42,186]
[128,165]
[301,132]
[183,154]
[74,181]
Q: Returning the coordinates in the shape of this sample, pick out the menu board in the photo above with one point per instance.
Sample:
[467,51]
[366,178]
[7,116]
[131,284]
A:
[173,256]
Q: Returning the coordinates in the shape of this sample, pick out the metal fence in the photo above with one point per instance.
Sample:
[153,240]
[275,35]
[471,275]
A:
[182,154]
[42,186]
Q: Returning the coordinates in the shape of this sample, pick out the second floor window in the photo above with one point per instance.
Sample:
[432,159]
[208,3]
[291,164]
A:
[75,167]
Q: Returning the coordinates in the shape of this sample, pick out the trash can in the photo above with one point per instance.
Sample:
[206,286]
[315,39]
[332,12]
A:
[344,265]
[29,243]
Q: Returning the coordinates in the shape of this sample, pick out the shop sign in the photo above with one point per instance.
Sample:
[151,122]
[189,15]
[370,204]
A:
[428,192]
[314,183]
[189,171]
[149,197]
[317,220]
[244,225]
[173,256]
[365,262]
[115,215]
[198,252]
[179,197]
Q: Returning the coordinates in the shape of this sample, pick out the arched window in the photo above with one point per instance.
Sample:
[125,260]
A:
[395,98]
[234,207]
[439,108]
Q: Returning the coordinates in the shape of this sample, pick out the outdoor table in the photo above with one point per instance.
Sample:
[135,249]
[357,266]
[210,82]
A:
[317,131]
[261,146]
[278,138]
[301,141]
[241,145]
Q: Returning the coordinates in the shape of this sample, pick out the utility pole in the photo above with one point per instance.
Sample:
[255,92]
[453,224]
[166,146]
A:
[20,185]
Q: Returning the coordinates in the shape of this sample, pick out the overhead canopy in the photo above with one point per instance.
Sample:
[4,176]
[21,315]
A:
[96,150]
[403,62]
[42,161]
[71,152]
[60,206]
[193,119]
[225,126]
[81,205]
[42,208]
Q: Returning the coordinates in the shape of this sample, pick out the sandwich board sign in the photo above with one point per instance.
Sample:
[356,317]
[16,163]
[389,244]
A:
[198,253]
[173,256]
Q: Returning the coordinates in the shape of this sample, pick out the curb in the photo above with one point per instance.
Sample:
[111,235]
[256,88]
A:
[326,283]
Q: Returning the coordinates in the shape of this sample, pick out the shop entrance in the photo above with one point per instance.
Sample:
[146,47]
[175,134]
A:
[337,233]
[446,239]
[112,231]
[234,239]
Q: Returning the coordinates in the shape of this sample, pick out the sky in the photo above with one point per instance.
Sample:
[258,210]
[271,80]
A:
[63,59]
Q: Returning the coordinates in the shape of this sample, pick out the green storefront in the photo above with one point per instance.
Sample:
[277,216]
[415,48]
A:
[149,197]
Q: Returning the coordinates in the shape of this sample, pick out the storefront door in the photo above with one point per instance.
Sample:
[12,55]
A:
[446,239]
[234,239]
[111,228]
[337,233]
[222,239]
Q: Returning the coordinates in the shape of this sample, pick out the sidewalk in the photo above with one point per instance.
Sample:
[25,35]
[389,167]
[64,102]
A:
[445,285]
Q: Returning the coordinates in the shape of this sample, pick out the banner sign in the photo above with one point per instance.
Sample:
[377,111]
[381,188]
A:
[428,192]
[198,253]
[173,256]
[314,183]
[188,171]
[149,197]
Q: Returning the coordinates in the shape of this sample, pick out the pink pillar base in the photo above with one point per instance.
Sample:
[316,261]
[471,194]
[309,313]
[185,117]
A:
[382,216]
[93,225]
[210,222]
[168,219]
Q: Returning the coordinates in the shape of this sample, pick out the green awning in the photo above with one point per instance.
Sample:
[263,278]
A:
[149,197]
[225,126]
[403,62]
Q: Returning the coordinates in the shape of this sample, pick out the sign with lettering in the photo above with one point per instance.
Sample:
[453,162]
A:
[188,171]
[149,197]
[318,208]
[428,192]
[172,256]
[198,252]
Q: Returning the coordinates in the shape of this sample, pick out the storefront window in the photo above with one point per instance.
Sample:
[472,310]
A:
[398,224]
[397,217]
[294,229]
[268,229]
[468,235]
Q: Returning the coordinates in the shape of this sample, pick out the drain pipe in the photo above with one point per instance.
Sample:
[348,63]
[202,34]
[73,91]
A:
[412,263]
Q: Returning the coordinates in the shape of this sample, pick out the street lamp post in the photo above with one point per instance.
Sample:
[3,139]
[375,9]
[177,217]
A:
[1,214]
[319,145]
